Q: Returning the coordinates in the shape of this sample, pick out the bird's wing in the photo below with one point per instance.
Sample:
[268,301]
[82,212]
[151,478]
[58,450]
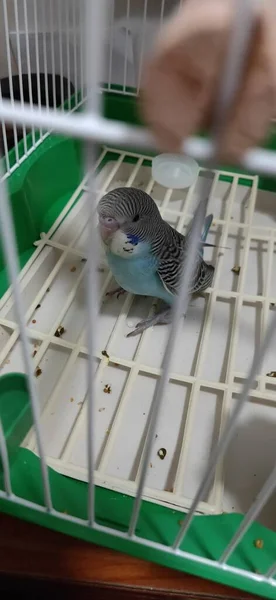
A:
[169,276]
[171,260]
[170,271]
[171,264]
[203,277]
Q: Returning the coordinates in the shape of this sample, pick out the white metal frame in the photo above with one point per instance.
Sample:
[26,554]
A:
[44,62]
[93,127]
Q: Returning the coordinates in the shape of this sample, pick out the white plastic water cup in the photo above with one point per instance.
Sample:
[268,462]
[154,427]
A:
[174,170]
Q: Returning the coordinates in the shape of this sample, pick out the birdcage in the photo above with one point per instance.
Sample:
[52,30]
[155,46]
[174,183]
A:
[161,445]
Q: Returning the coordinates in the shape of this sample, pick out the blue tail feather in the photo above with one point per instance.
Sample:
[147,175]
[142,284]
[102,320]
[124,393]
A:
[207,225]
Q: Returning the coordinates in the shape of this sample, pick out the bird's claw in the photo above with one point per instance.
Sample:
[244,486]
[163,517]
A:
[118,292]
[161,318]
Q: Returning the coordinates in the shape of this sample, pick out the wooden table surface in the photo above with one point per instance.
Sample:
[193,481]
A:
[41,562]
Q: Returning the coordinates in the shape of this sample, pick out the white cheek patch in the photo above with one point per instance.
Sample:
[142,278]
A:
[121,246]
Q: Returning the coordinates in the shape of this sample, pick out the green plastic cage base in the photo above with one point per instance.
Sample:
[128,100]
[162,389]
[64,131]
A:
[39,189]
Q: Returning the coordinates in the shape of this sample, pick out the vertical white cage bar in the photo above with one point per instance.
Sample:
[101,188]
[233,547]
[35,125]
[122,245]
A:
[237,307]
[53,58]
[94,13]
[37,61]
[68,61]
[5,461]
[10,253]
[81,28]
[93,309]
[4,136]
[162,13]
[180,473]
[60,40]
[28,62]
[239,44]
[180,308]
[45,61]
[265,291]
[7,42]
[19,65]
[75,41]
[111,42]
[142,47]
[127,31]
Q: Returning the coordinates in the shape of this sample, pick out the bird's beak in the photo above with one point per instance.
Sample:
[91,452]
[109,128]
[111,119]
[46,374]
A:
[107,227]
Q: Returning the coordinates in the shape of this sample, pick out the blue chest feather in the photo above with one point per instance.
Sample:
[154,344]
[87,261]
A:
[138,275]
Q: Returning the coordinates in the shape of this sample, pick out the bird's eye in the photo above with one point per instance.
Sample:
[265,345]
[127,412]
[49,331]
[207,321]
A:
[136,218]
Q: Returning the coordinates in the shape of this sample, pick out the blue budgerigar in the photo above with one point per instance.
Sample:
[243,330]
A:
[145,254]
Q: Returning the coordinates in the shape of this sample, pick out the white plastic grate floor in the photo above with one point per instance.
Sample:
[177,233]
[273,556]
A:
[213,351]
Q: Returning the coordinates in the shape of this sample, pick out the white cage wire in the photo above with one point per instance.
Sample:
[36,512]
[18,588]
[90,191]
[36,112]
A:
[42,39]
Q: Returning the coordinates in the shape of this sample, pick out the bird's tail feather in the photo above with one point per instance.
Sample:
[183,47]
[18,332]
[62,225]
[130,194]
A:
[207,225]
[204,244]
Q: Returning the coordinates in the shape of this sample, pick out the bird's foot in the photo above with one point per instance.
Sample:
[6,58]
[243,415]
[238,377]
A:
[161,318]
[118,292]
